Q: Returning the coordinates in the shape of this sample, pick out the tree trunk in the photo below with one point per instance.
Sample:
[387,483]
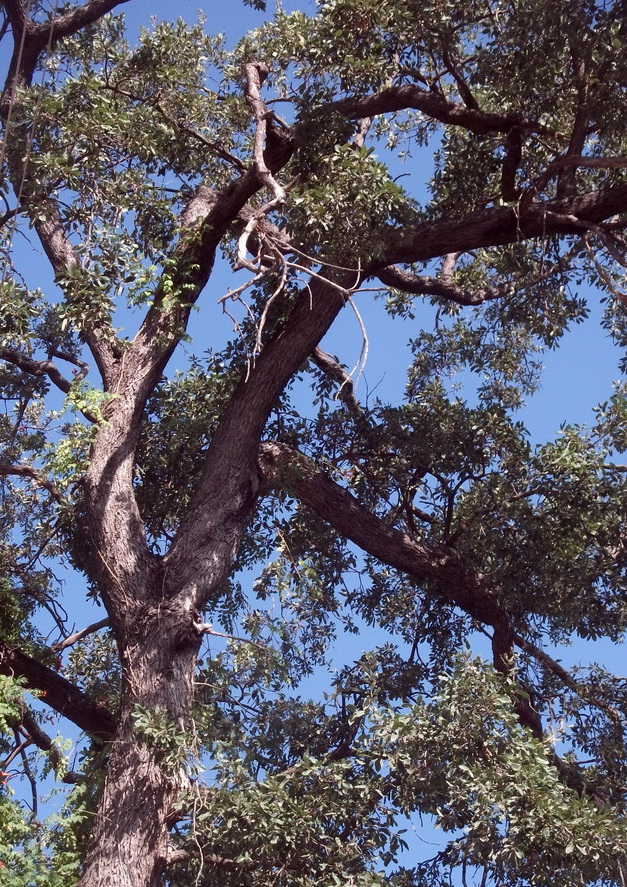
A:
[128,846]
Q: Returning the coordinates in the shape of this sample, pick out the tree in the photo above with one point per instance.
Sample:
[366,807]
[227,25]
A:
[434,519]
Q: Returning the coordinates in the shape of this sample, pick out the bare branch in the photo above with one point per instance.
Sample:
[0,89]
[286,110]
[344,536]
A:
[256,73]
[79,635]
[333,370]
[36,367]
[207,628]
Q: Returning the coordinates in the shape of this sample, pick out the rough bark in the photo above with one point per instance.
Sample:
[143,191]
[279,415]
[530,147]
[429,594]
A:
[128,845]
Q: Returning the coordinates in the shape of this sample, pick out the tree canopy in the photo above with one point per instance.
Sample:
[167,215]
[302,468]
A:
[236,510]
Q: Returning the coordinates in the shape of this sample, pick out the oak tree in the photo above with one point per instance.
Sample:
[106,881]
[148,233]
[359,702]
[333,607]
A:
[166,463]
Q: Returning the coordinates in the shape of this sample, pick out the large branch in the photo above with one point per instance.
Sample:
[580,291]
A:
[436,106]
[284,467]
[57,692]
[501,225]
[225,495]
[118,534]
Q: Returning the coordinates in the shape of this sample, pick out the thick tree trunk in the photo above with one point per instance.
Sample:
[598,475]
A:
[128,845]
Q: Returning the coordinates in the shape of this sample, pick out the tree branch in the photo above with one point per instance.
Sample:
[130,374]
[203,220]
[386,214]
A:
[284,467]
[559,671]
[346,391]
[47,368]
[226,492]
[471,591]
[436,286]
[36,367]
[437,106]
[45,743]
[500,225]
[7,469]
[32,38]
[79,635]
[58,693]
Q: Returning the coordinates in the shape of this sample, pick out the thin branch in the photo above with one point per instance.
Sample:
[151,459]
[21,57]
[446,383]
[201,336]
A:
[559,671]
[46,743]
[437,106]
[454,66]
[79,635]
[437,286]
[6,469]
[28,773]
[336,372]
[36,367]
[207,628]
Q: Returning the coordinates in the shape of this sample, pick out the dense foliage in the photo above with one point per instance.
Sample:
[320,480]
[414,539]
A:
[233,511]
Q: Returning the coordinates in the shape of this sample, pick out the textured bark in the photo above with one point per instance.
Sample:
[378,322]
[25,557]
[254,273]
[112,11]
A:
[129,842]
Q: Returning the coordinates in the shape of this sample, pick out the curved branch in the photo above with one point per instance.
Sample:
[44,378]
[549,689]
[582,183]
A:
[437,106]
[57,692]
[436,286]
[79,635]
[337,373]
[32,38]
[469,590]
[7,469]
[282,466]
[47,368]
[36,367]
[500,225]
[45,743]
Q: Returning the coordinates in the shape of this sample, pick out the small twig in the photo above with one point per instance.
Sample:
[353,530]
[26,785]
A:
[207,628]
